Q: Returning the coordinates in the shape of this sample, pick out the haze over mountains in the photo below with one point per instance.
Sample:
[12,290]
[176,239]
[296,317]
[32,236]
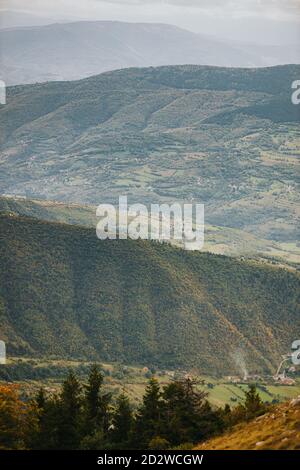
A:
[76,50]
[16,19]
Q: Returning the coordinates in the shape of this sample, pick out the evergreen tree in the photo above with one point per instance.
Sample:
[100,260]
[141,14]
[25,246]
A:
[227,410]
[179,415]
[227,415]
[122,421]
[96,403]
[50,423]
[148,419]
[253,405]
[92,395]
[188,416]
[70,403]
[34,438]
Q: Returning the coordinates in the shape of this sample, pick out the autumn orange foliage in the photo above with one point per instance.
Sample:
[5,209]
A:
[13,417]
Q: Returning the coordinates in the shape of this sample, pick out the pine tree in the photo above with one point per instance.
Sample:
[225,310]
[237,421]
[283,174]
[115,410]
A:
[122,421]
[187,416]
[92,394]
[51,425]
[96,403]
[70,402]
[227,416]
[253,405]
[178,413]
[148,419]
[38,411]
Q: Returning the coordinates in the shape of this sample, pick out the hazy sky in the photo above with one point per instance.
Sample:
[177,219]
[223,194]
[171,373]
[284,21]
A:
[268,21]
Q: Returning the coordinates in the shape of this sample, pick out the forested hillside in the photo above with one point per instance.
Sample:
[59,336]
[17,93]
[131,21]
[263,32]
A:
[219,240]
[63,293]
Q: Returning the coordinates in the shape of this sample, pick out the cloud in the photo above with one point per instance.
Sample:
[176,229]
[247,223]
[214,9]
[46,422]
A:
[253,5]
[277,9]
[250,6]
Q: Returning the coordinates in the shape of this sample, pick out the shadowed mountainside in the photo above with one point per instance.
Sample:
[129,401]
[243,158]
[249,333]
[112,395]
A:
[63,293]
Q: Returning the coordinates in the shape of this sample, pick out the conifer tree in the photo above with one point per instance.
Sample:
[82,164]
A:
[253,405]
[122,421]
[148,419]
[96,403]
[92,394]
[70,402]
[188,417]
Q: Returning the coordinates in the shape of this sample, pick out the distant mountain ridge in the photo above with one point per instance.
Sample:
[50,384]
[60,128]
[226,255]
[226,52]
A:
[71,51]
[224,137]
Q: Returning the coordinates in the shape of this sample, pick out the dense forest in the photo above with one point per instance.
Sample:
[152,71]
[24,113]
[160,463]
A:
[66,294]
[83,416]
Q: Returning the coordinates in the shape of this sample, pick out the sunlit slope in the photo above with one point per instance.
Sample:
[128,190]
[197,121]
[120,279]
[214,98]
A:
[279,429]
[220,240]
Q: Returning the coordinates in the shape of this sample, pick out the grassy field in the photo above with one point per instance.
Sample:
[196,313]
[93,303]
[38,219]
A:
[31,374]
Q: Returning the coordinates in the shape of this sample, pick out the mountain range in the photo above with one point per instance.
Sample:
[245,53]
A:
[64,293]
[70,51]
[228,138]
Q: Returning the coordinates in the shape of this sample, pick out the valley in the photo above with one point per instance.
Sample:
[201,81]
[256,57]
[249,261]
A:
[32,374]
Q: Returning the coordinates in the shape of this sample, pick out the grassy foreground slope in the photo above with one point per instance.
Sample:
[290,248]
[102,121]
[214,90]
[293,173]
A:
[279,429]
[63,293]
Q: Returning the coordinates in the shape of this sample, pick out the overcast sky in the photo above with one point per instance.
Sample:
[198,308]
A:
[266,21]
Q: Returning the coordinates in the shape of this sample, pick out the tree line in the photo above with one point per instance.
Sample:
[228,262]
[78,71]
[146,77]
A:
[84,416]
